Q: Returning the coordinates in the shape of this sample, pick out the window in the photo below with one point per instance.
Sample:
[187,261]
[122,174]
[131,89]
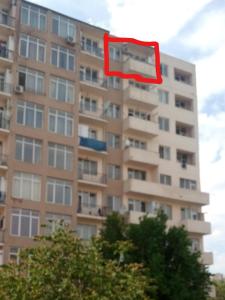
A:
[164,70]
[195,245]
[136,205]
[60,156]
[113,111]
[31,80]
[62,57]
[113,172]
[63,27]
[185,158]
[163,97]
[113,140]
[91,46]
[190,214]
[115,53]
[164,124]
[14,253]
[32,48]
[92,133]
[114,203]
[59,191]
[86,232]
[62,90]
[60,122]
[183,102]
[188,184]
[114,82]
[183,76]
[87,199]
[88,74]
[88,104]
[137,144]
[33,16]
[136,174]
[164,152]
[24,222]
[88,166]
[28,149]
[184,129]
[165,179]
[26,186]
[55,221]
[29,114]
[139,114]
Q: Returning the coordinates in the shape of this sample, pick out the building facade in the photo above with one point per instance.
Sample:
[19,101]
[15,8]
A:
[75,145]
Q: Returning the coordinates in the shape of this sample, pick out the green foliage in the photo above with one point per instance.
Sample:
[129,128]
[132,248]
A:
[220,290]
[165,255]
[61,267]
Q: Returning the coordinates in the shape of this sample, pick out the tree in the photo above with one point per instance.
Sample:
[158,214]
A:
[220,289]
[61,267]
[165,255]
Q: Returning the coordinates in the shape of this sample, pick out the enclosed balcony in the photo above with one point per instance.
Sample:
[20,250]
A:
[7,23]
[6,56]
[147,99]
[92,117]
[5,87]
[91,179]
[174,193]
[135,125]
[4,122]
[134,66]
[92,49]
[3,162]
[91,78]
[93,144]
[141,156]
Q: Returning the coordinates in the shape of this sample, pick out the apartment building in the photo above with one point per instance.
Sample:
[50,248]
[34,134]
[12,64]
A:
[75,145]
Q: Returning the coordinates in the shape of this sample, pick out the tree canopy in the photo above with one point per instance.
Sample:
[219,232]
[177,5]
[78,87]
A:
[165,254]
[61,267]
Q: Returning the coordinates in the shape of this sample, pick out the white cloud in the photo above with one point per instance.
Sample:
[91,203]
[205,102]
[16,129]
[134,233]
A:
[151,20]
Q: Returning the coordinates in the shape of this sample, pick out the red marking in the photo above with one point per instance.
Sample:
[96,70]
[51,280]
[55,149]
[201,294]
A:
[108,39]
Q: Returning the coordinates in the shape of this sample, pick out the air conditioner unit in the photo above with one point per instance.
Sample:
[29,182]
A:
[19,89]
[70,40]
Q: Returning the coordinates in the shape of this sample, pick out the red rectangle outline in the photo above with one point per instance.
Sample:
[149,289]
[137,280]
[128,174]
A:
[137,77]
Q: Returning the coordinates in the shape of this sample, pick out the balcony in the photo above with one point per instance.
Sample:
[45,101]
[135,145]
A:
[6,56]
[141,156]
[93,144]
[3,162]
[162,191]
[135,66]
[92,117]
[207,258]
[2,197]
[99,83]
[196,226]
[7,23]
[94,180]
[95,212]
[138,126]
[144,98]
[4,122]
[93,51]
[5,88]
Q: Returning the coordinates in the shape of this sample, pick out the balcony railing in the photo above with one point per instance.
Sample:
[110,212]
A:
[94,114]
[93,51]
[98,178]
[5,87]
[6,53]
[5,19]
[97,211]
[3,160]
[4,121]
[2,197]
[93,144]
[98,82]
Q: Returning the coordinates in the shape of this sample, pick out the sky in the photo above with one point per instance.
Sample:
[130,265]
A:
[193,30]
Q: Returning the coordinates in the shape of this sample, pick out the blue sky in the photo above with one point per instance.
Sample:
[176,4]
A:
[193,30]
